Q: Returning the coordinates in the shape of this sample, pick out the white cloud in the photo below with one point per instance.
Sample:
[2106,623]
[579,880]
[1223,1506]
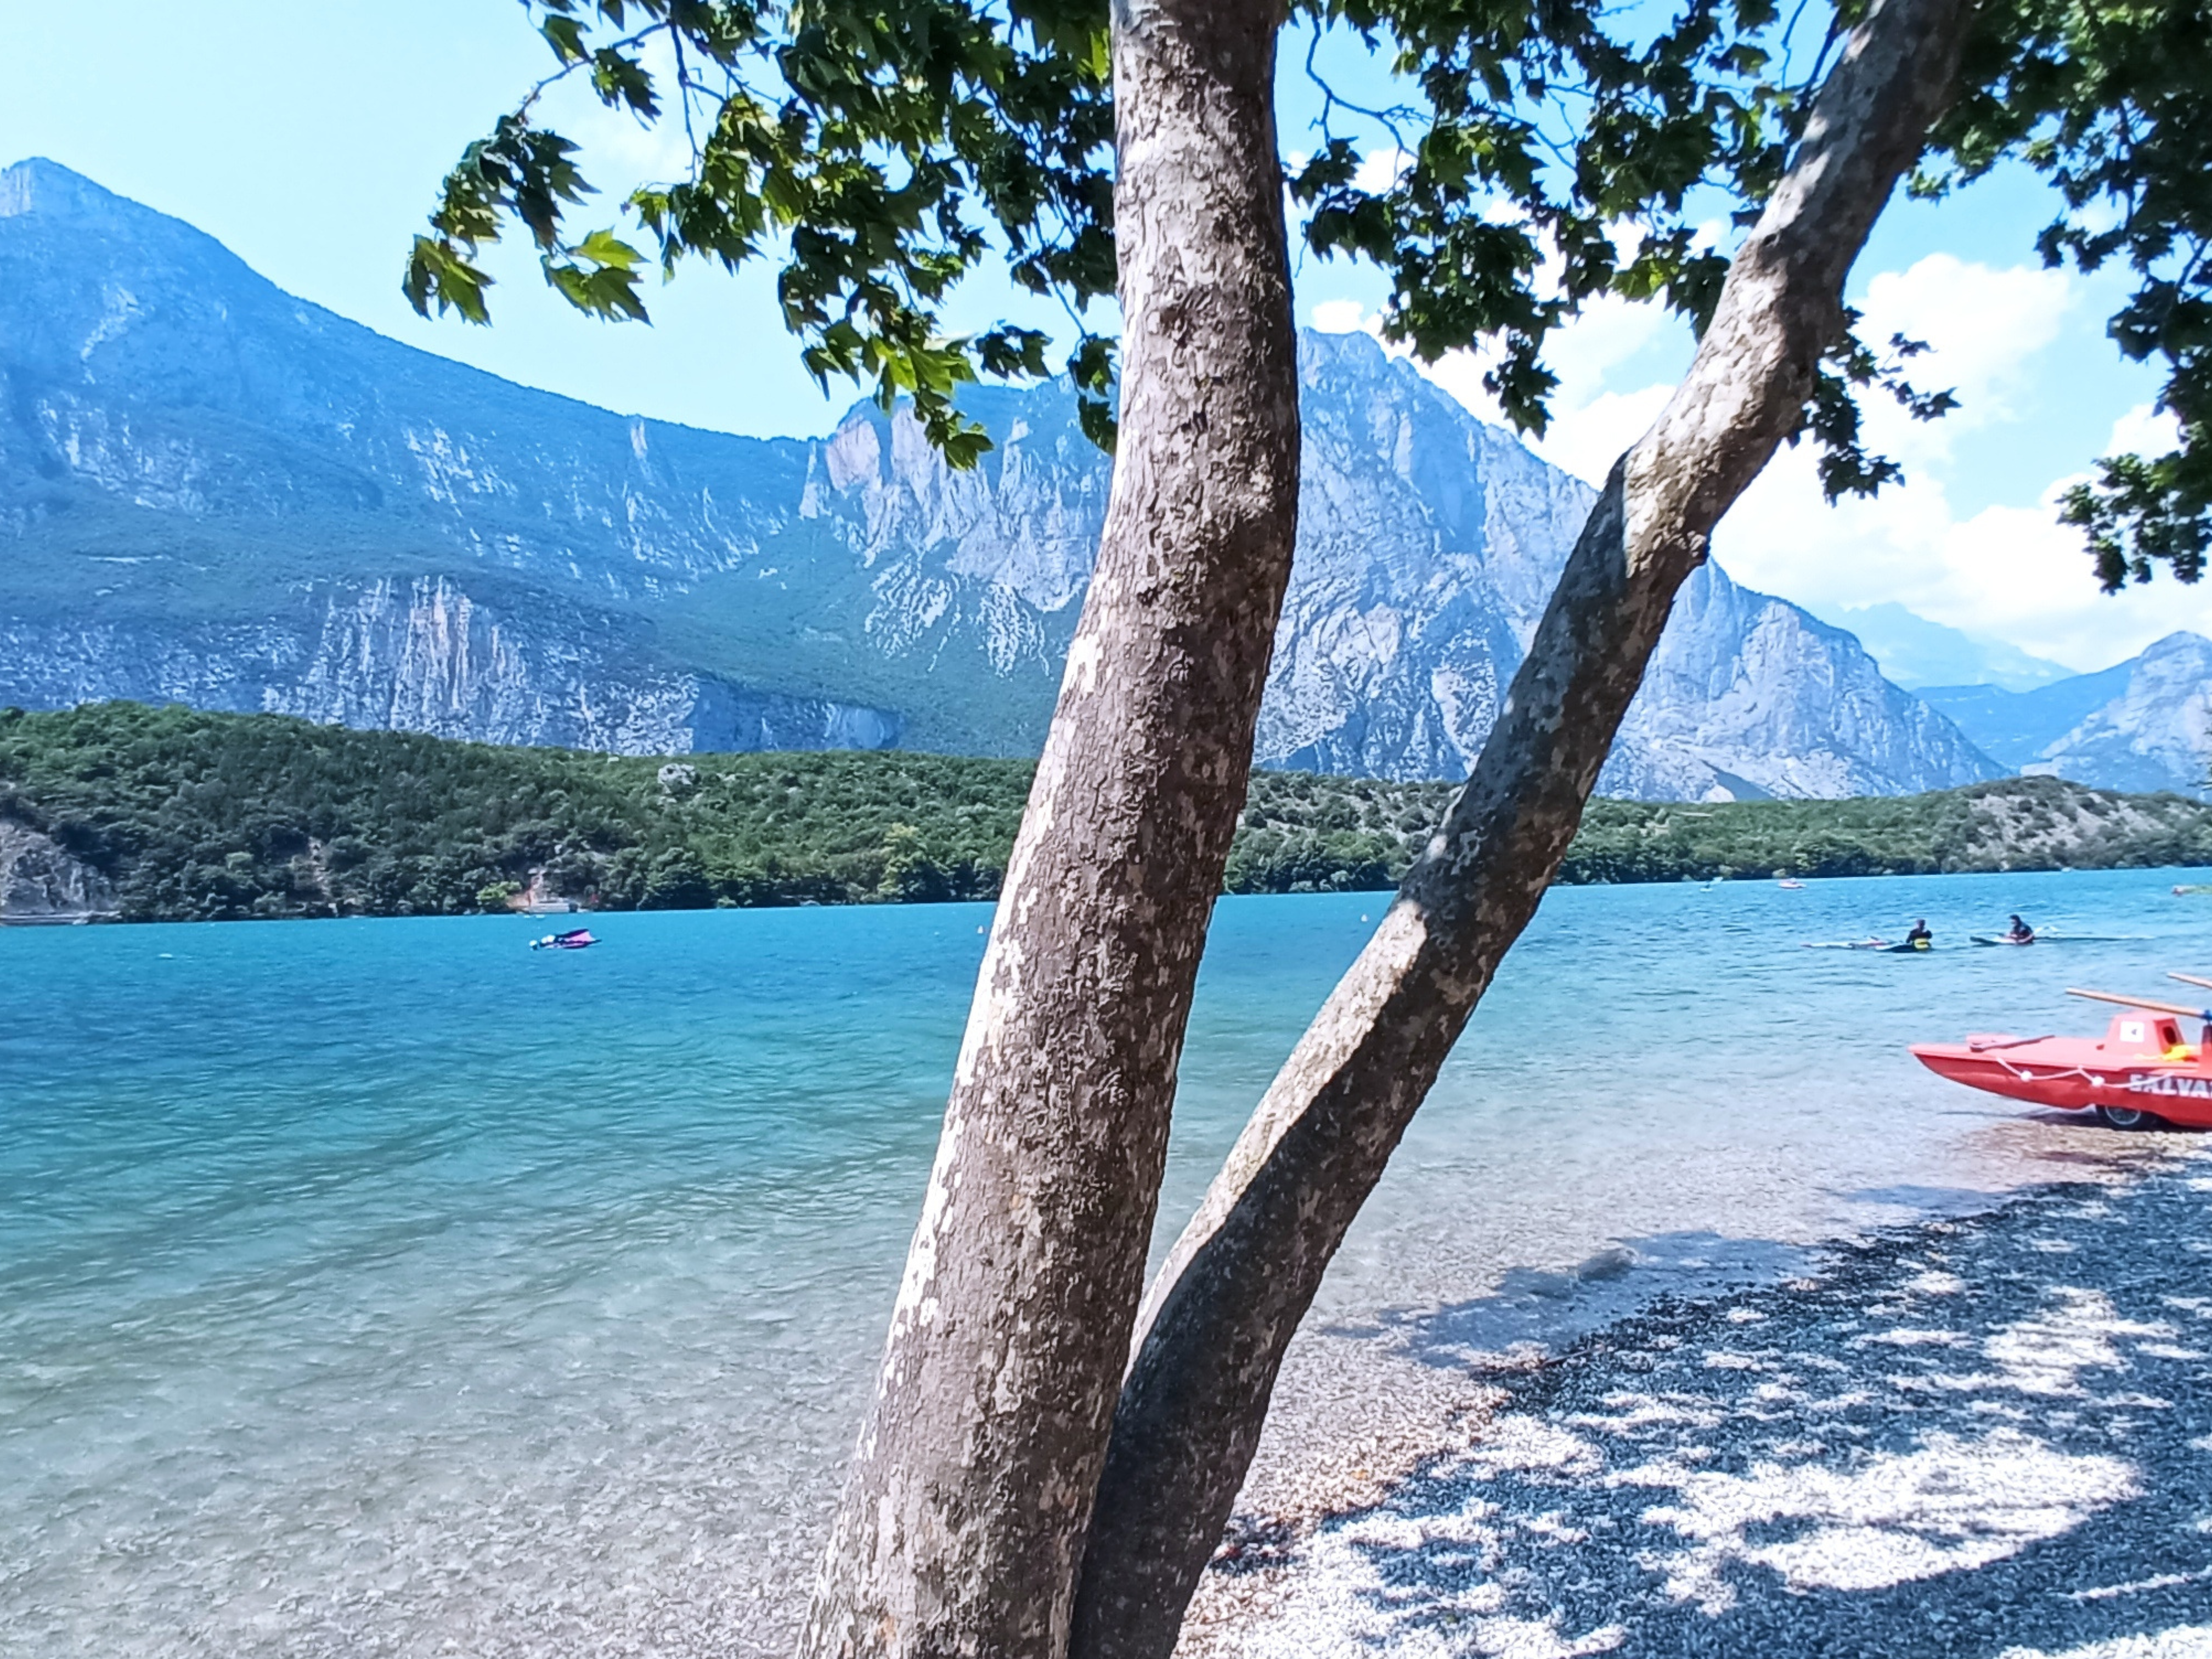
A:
[1586,439]
[1342,317]
[1607,333]
[619,150]
[1379,169]
[1981,325]
[2010,570]
[2145,429]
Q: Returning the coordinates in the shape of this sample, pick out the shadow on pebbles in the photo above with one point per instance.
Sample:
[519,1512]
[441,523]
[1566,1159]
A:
[1986,1437]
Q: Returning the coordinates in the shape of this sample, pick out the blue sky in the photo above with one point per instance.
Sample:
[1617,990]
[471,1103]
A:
[309,137]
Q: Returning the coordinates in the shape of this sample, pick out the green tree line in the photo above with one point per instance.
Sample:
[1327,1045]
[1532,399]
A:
[211,817]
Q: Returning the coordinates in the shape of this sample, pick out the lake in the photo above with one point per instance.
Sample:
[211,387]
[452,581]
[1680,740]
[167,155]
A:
[382,1287]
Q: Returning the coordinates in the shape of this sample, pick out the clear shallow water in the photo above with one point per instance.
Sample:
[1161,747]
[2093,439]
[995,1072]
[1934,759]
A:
[370,1287]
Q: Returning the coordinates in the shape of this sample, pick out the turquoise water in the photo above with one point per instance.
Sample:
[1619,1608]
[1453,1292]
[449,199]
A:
[383,1287]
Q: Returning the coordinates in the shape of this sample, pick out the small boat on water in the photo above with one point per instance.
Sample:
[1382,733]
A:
[576,938]
[1790,885]
[2143,1074]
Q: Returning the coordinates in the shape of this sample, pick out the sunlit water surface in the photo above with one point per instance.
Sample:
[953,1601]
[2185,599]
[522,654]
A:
[385,1288]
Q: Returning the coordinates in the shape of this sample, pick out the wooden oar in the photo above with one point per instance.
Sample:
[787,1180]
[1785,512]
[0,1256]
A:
[2192,979]
[2144,1003]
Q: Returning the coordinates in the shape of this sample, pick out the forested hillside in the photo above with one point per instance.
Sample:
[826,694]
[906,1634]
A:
[176,814]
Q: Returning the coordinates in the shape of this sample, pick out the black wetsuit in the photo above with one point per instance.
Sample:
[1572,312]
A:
[1921,939]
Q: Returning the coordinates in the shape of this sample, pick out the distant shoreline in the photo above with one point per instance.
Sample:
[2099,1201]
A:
[582,916]
[142,814]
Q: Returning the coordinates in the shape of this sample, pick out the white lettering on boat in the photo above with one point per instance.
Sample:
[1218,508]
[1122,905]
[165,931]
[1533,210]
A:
[2166,1083]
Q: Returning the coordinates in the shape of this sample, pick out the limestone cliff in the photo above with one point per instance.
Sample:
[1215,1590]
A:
[425,656]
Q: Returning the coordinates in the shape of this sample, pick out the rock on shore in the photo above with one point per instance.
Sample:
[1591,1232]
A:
[40,882]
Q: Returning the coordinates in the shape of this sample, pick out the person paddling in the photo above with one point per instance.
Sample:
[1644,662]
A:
[2019,933]
[1920,938]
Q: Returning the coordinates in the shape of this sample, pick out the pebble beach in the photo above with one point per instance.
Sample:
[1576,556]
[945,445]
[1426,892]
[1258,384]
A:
[1985,1435]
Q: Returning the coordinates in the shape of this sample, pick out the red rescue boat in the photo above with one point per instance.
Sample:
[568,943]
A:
[2143,1074]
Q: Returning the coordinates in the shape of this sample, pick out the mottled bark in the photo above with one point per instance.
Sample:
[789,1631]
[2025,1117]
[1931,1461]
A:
[961,1525]
[1222,1312]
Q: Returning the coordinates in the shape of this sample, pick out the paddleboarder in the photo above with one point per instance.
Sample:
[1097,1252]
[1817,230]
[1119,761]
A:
[2019,933]
[1920,938]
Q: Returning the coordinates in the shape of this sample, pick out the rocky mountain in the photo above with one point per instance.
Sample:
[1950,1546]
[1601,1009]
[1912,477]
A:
[2014,728]
[2143,725]
[215,493]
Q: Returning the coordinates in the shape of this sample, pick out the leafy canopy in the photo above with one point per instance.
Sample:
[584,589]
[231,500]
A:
[882,153]
[2111,100]
[1542,153]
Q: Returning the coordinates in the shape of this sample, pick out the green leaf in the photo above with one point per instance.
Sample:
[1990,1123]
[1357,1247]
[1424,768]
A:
[604,247]
[622,81]
[566,36]
[438,276]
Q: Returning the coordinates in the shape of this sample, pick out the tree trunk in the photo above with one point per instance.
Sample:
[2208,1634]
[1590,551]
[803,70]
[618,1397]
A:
[966,1505]
[1222,1311]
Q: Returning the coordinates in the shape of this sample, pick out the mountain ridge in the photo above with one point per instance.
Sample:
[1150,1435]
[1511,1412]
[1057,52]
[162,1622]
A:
[2144,724]
[222,494]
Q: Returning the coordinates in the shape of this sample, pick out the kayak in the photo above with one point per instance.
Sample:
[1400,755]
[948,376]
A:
[2142,1073]
[2001,938]
[576,938]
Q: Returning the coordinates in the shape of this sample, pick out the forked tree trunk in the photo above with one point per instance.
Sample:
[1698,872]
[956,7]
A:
[1222,1311]
[966,1505]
